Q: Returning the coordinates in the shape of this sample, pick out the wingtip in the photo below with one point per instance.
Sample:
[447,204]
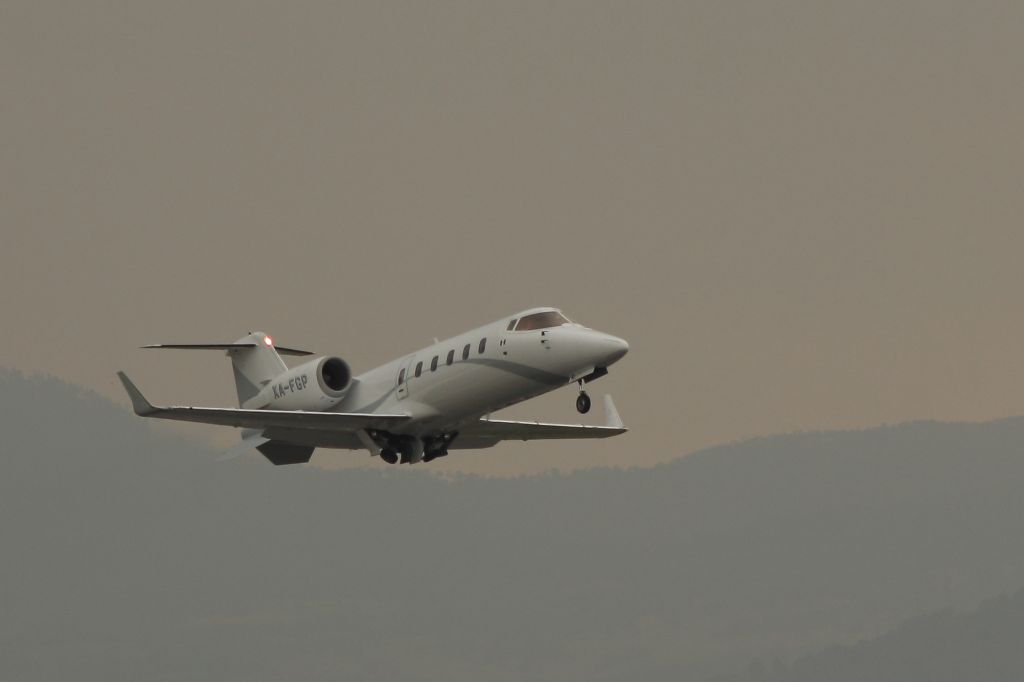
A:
[141,406]
[611,415]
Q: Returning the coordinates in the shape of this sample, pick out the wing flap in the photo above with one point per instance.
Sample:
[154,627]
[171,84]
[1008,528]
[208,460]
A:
[259,419]
[496,430]
[493,429]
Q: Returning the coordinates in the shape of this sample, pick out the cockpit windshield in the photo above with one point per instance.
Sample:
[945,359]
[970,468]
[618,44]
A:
[545,320]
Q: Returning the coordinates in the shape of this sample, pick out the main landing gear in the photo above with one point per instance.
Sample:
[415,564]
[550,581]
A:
[437,446]
[403,449]
[582,401]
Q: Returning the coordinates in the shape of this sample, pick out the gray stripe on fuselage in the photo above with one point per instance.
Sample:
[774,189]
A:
[517,368]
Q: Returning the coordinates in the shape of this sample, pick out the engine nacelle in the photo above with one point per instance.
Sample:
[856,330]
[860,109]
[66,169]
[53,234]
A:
[315,386]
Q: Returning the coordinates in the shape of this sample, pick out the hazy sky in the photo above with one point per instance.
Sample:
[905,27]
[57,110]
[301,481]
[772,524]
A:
[802,215]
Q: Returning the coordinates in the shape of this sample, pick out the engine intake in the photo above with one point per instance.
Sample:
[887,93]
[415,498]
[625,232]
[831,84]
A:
[335,374]
[314,386]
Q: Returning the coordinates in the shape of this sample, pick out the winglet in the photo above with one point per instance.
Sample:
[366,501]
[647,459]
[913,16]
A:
[141,406]
[611,415]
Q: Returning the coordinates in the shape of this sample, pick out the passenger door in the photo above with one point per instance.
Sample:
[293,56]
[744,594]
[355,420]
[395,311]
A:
[504,340]
[404,376]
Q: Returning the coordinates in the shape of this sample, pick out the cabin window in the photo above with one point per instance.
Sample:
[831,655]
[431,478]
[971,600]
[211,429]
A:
[419,368]
[451,357]
[546,320]
[511,325]
[401,377]
[483,345]
[433,364]
[465,352]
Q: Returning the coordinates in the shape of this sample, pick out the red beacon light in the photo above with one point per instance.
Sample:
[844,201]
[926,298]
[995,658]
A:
[267,340]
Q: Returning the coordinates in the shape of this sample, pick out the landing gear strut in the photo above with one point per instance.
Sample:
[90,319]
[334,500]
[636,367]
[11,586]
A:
[582,401]
[407,449]
[438,447]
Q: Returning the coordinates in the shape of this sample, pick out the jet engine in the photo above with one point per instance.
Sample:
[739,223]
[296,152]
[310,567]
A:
[315,386]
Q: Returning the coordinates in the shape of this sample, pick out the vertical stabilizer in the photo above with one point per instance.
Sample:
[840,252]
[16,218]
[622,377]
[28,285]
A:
[254,367]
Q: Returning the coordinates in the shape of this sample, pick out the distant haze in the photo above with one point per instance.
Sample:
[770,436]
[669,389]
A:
[802,215]
[132,556]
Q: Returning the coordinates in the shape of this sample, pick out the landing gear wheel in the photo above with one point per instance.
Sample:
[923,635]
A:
[583,403]
[389,456]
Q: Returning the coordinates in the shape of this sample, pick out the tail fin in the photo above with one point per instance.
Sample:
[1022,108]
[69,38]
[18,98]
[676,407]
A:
[254,359]
[254,365]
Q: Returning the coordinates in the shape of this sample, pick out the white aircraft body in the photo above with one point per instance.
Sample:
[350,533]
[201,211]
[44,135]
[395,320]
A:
[412,409]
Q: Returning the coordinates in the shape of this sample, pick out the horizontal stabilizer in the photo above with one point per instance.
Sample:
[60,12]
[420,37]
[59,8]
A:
[285,453]
[252,439]
[261,419]
[225,346]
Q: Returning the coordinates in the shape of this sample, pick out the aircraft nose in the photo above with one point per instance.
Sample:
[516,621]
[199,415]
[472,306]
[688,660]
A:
[610,348]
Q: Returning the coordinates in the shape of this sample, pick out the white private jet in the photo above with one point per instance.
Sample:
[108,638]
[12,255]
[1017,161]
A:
[413,409]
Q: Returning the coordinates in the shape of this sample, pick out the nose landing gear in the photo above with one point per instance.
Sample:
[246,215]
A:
[582,401]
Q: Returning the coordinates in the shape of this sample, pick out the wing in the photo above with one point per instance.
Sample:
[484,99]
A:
[488,432]
[260,419]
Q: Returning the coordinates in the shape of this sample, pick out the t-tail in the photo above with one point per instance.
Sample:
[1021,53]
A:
[255,361]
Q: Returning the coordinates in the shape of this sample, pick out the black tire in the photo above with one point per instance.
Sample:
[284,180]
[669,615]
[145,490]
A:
[389,456]
[435,454]
[583,403]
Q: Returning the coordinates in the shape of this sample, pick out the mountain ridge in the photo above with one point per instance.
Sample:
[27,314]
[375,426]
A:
[777,547]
